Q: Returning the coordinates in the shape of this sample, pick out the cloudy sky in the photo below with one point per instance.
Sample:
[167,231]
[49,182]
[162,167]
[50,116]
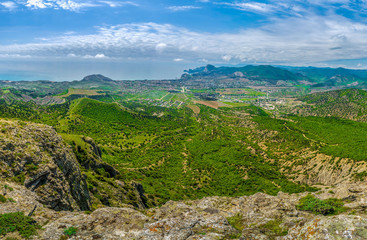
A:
[155,39]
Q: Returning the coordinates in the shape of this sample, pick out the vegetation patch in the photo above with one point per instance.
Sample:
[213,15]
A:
[17,221]
[2,198]
[330,206]
[274,228]
[70,231]
[236,222]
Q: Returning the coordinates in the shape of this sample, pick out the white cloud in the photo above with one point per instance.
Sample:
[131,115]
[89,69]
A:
[292,40]
[88,56]
[178,59]
[58,4]
[160,47]
[227,58]
[119,4]
[253,6]
[100,55]
[182,8]
[74,5]
[9,5]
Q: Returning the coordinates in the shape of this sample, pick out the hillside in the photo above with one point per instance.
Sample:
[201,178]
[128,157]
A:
[179,154]
[41,174]
[347,104]
[214,154]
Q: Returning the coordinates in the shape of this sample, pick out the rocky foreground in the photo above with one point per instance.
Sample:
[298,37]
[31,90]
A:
[37,169]
[259,216]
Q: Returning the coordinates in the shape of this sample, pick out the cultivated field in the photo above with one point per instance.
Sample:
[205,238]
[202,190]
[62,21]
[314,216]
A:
[87,92]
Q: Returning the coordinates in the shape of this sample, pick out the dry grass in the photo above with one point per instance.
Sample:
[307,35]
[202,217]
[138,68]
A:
[212,104]
[194,108]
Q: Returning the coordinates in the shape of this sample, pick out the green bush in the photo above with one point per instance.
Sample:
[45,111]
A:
[70,231]
[325,207]
[2,198]
[11,222]
[9,188]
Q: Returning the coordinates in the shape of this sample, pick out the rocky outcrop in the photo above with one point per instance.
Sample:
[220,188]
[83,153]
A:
[106,185]
[90,157]
[259,216]
[34,155]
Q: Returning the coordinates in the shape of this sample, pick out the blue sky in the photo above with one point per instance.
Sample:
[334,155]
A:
[142,39]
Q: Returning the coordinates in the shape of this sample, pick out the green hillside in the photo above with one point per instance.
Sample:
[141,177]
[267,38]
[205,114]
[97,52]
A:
[176,153]
[347,103]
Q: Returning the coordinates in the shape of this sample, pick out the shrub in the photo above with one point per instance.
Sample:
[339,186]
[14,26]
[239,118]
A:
[16,221]
[20,178]
[2,198]
[70,231]
[9,188]
[324,207]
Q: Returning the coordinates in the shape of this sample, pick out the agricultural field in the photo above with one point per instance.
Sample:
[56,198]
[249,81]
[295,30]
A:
[84,92]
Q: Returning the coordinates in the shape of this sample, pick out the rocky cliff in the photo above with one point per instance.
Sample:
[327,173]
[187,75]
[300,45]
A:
[34,155]
[63,176]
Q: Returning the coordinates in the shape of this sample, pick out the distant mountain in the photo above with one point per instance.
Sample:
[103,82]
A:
[326,77]
[96,78]
[266,73]
[315,77]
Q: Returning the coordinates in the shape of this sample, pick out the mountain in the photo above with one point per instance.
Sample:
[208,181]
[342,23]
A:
[281,75]
[329,77]
[96,78]
[265,73]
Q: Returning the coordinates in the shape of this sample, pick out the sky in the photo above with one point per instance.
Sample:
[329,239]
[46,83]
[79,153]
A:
[157,39]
